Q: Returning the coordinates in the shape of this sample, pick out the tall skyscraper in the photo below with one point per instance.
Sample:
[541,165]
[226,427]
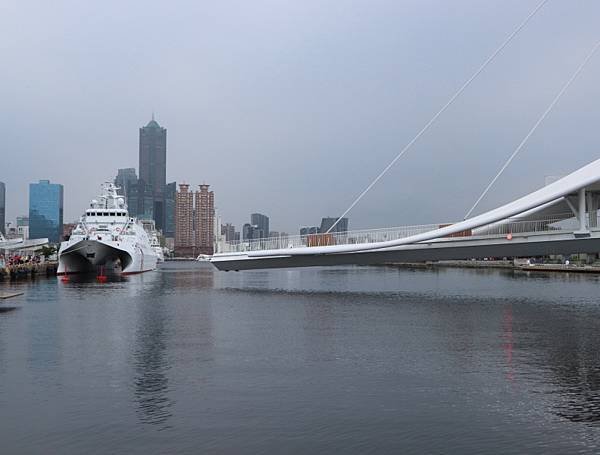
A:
[205,220]
[261,225]
[46,210]
[184,221]
[2,208]
[153,167]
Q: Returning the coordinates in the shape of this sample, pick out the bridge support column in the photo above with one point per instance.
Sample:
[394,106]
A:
[583,230]
[592,207]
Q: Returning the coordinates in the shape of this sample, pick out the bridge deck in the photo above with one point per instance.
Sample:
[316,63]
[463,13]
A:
[521,245]
[511,237]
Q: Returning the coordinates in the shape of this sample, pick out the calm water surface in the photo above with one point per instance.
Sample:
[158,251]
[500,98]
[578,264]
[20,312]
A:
[347,360]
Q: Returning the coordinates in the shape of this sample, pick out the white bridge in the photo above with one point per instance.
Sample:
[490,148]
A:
[560,218]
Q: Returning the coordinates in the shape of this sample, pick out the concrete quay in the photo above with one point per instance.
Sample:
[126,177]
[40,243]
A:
[28,270]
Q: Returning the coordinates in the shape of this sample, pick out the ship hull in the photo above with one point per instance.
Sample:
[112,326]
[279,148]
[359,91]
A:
[89,256]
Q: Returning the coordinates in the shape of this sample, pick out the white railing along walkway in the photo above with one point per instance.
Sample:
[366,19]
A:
[565,222]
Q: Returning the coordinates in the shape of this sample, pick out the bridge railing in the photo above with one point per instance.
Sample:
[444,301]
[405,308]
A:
[560,222]
[333,238]
[557,222]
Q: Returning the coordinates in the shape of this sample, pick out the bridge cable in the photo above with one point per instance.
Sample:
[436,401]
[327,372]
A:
[441,111]
[532,130]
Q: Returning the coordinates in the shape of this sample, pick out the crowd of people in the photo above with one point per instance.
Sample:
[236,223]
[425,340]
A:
[17,260]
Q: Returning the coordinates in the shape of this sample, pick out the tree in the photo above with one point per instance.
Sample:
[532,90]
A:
[48,250]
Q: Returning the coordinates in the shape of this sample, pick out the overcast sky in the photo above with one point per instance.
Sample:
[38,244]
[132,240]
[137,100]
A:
[290,108]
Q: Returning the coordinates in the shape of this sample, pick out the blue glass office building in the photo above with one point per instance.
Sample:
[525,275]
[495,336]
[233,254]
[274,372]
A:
[45,211]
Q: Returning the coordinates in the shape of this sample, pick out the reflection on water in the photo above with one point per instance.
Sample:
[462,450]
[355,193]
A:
[151,364]
[349,359]
[8,309]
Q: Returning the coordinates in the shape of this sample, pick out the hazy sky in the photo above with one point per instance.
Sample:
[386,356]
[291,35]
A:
[290,108]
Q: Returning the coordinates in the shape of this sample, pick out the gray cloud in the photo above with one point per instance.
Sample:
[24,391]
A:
[291,108]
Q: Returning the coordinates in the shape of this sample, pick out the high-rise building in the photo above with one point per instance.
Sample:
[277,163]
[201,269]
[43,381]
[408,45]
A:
[247,231]
[170,196]
[341,227]
[205,220]
[262,224]
[228,231]
[184,221]
[126,180]
[46,210]
[2,208]
[153,168]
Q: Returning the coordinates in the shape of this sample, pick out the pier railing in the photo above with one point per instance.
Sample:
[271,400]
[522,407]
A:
[512,226]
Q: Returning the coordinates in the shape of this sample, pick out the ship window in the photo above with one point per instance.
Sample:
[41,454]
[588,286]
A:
[112,213]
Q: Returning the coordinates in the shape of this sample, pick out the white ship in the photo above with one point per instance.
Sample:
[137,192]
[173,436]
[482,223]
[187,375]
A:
[150,228]
[154,243]
[107,238]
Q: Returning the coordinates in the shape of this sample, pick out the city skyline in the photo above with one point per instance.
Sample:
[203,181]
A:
[319,113]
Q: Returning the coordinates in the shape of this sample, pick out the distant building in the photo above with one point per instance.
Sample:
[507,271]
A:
[309,231]
[205,220]
[23,227]
[341,227]
[2,207]
[194,221]
[184,221]
[251,232]
[170,196]
[153,170]
[142,201]
[261,223]
[46,210]
[126,180]
[11,231]
[228,231]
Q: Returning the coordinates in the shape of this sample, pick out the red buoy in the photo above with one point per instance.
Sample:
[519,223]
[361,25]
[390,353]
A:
[65,277]
[102,278]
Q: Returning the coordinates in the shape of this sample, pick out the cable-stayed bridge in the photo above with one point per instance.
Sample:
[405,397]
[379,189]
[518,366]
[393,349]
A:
[560,218]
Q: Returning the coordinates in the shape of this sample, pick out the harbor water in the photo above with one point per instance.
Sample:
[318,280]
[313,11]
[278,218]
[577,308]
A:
[187,359]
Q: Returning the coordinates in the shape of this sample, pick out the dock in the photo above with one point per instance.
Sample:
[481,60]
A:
[28,270]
